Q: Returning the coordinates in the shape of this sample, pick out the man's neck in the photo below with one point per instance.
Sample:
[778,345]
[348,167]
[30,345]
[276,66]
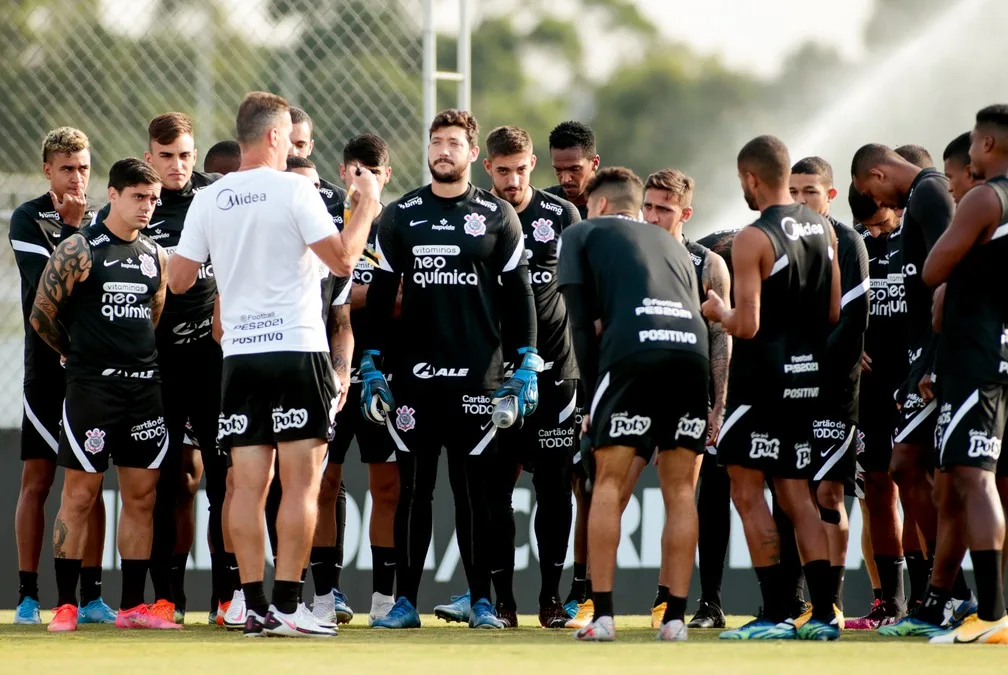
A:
[580,200]
[521,206]
[256,158]
[621,214]
[1000,169]
[780,197]
[450,190]
[119,228]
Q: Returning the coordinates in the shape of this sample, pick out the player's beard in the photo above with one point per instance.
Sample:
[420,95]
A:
[750,198]
[441,174]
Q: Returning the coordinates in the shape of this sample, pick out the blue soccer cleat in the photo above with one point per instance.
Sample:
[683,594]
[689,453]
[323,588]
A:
[27,613]
[761,629]
[571,607]
[961,609]
[484,616]
[813,629]
[341,607]
[96,611]
[911,626]
[459,609]
[402,615]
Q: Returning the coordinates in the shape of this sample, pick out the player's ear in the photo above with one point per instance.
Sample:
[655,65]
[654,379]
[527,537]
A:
[311,145]
[473,153]
[532,164]
[486,165]
[831,194]
[388,173]
[47,170]
[195,155]
[148,157]
[113,196]
[687,213]
[596,160]
[877,174]
[342,172]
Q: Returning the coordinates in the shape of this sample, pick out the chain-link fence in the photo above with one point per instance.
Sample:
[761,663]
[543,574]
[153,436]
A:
[109,66]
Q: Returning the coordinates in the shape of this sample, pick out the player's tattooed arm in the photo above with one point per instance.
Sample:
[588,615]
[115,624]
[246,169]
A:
[158,300]
[717,279]
[341,346]
[69,263]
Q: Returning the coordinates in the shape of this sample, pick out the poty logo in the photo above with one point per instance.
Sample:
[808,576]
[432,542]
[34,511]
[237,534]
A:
[542,231]
[485,203]
[555,208]
[622,425]
[794,230]
[228,199]
[763,447]
[416,201]
[426,371]
[404,420]
[803,456]
[694,427]
[982,445]
[475,224]
[295,418]
[235,424]
[95,442]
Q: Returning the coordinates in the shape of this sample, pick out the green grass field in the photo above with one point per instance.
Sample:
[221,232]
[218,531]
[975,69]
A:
[437,647]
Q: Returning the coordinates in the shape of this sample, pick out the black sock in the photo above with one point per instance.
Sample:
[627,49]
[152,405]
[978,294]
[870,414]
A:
[577,591]
[550,588]
[178,570]
[90,584]
[990,584]
[160,574]
[341,499]
[134,581]
[932,606]
[821,588]
[503,583]
[27,586]
[675,609]
[231,574]
[67,574]
[323,560]
[285,596]
[836,580]
[337,573]
[890,573]
[588,589]
[603,604]
[774,606]
[661,596]
[383,569]
[219,584]
[919,571]
[876,594]
[304,575]
[255,598]
[960,589]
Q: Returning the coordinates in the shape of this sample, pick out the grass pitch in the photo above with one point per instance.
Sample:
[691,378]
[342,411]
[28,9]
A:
[441,648]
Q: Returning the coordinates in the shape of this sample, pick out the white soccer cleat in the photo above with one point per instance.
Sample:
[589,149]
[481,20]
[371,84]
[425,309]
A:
[380,607]
[298,624]
[305,614]
[324,609]
[234,618]
[602,629]
[673,631]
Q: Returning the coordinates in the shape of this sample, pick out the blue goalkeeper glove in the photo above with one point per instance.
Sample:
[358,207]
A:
[376,398]
[523,385]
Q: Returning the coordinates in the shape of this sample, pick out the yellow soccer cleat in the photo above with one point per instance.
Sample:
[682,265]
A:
[584,616]
[657,614]
[975,631]
[838,618]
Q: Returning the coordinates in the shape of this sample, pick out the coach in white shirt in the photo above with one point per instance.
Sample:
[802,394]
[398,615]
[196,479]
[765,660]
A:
[263,229]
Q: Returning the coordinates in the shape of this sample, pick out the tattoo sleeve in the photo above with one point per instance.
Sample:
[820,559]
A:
[341,340]
[69,263]
[158,300]
[716,278]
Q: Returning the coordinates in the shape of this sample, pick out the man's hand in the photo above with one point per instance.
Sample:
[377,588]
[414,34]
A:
[523,383]
[713,307]
[376,398]
[72,207]
[714,420]
[938,308]
[924,386]
[363,184]
[866,362]
[343,381]
[585,424]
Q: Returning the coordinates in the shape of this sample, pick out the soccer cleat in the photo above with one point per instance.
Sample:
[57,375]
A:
[163,609]
[253,627]
[553,614]
[305,615]
[323,608]
[298,624]
[380,607]
[961,610]
[234,617]
[881,614]
[911,626]
[144,616]
[761,629]
[483,616]
[585,613]
[657,614]
[602,629]
[673,631]
[402,615]
[817,630]
[571,607]
[508,617]
[27,612]
[803,618]
[458,609]
[708,615]
[342,608]
[179,616]
[64,619]
[975,631]
[212,617]
[96,611]
[222,608]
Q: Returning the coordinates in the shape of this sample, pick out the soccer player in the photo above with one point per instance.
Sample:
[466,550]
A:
[973,372]
[97,305]
[467,307]
[265,231]
[835,427]
[884,368]
[787,296]
[958,169]
[223,157]
[575,161]
[916,155]
[543,445]
[35,230]
[642,285]
[668,203]
[894,182]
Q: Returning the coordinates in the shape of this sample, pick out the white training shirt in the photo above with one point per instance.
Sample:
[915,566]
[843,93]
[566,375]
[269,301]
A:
[256,226]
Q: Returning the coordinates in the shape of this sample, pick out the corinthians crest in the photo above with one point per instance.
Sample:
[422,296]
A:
[542,230]
[404,420]
[475,224]
[95,442]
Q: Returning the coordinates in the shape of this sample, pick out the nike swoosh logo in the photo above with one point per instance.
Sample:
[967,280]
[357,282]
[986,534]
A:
[109,263]
[871,260]
[153,225]
[414,223]
[487,425]
[558,383]
[388,564]
[826,452]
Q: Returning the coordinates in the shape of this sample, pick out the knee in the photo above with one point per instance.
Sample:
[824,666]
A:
[329,486]
[35,487]
[904,468]
[139,501]
[747,495]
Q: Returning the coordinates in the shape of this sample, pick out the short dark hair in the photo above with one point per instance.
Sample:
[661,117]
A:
[996,114]
[295,162]
[621,185]
[767,158]
[675,181]
[504,141]
[258,112]
[916,155]
[222,154]
[870,156]
[299,116]
[457,118]
[166,129]
[368,149]
[571,134]
[132,171]
[814,166]
[862,206]
[958,149]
